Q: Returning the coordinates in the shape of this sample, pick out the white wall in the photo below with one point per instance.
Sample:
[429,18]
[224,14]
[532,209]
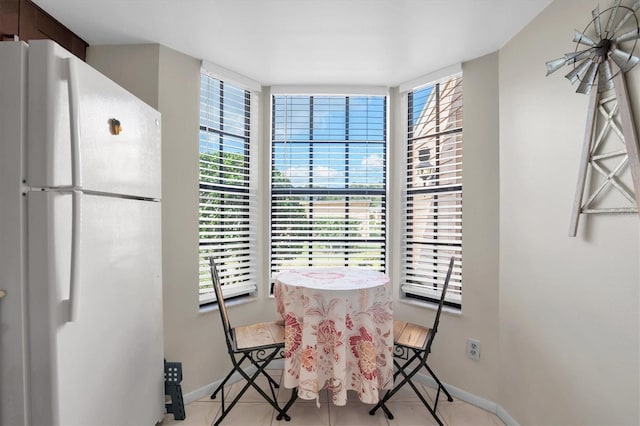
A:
[479,316]
[170,81]
[134,67]
[558,318]
[569,317]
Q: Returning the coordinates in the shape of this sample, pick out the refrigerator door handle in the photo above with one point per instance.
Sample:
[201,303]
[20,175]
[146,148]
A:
[76,225]
[74,125]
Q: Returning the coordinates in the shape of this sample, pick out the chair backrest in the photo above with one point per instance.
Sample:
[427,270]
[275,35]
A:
[436,321]
[224,316]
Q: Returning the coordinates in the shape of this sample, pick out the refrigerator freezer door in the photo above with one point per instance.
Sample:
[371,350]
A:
[87,132]
[106,367]
[13,58]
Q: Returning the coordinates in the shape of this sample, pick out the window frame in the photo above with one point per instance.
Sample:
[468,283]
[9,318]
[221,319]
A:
[243,281]
[381,192]
[410,289]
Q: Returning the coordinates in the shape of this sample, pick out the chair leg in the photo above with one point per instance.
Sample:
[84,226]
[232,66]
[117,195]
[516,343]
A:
[224,382]
[261,367]
[226,379]
[294,396]
[250,381]
[381,404]
[401,368]
[233,370]
[422,398]
[226,410]
[440,385]
[264,373]
[406,379]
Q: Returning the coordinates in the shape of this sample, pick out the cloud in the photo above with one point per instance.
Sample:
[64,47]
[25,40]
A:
[372,161]
[299,176]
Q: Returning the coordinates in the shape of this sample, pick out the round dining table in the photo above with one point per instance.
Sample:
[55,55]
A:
[338,332]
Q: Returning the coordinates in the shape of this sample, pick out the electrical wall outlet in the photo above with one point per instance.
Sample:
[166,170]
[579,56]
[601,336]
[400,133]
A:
[473,349]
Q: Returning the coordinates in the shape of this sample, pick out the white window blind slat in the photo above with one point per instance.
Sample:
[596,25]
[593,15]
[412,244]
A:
[227,212]
[328,197]
[432,209]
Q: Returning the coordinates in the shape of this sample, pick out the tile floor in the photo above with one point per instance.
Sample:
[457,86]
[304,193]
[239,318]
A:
[251,410]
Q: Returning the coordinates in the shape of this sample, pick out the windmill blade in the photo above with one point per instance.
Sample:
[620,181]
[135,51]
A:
[574,57]
[555,65]
[583,39]
[589,79]
[626,17]
[612,18]
[624,60]
[605,77]
[596,20]
[578,72]
[630,35]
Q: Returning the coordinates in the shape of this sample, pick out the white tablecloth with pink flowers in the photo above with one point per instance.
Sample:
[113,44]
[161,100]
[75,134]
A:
[338,332]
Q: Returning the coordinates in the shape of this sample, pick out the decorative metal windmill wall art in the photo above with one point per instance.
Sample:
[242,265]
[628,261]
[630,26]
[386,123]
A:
[610,158]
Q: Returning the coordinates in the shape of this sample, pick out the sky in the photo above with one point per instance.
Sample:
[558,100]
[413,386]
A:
[319,141]
[325,142]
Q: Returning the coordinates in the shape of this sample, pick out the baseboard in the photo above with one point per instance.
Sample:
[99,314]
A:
[465,396]
[458,393]
[207,390]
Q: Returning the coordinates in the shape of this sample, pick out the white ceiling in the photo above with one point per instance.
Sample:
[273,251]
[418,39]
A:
[364,42]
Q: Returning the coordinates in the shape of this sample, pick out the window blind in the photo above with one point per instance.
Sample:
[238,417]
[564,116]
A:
[432,210]
[328,181]
[227,199]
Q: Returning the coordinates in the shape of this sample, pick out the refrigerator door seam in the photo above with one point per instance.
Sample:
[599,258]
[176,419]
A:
[72,189]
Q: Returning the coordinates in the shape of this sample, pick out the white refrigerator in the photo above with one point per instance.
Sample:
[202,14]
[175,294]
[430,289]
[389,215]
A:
[80,245]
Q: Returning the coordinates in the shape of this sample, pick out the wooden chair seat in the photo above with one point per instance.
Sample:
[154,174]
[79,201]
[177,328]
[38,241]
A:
[261,334]
[410,335]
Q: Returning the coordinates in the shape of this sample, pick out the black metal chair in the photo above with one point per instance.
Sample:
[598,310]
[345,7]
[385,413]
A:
[413,343]
[255,344]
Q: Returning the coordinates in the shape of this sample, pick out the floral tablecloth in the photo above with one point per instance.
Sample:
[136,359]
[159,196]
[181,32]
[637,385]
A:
[338,332]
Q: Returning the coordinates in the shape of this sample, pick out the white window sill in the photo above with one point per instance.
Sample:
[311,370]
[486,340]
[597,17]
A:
[228,303]
[429,305]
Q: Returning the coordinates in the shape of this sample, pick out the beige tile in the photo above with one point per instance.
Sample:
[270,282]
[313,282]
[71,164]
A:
[460,413]
[406,408]
[248,413]
[409,413]
[285,393]
[352,397]
[443,397]
[406,394]
[496,419]
[197,414]
[355,414]
[275,373]
[251,394]
[208,398]
[306,413]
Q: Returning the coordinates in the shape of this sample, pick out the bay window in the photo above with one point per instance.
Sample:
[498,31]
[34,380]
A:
[328,181]
[432,211]
[227,205]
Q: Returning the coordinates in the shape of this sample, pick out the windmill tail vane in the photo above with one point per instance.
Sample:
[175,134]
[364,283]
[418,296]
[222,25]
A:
[598,45]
